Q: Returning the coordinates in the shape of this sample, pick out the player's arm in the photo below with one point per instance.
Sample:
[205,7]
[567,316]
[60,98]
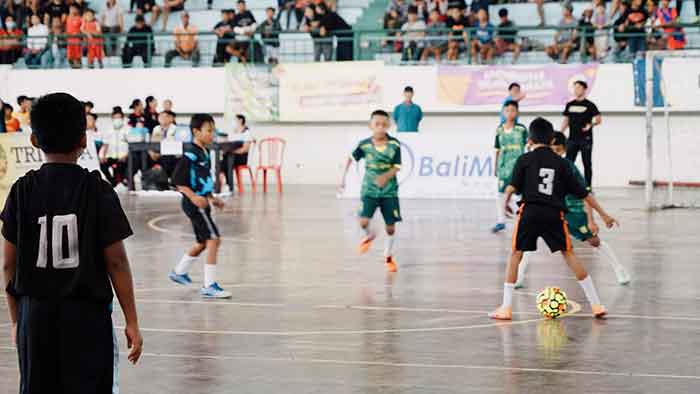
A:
[592,225]
[517,180]
[357,155]
[196,199]
[593,202]
[181,180]
[9,267]
[120,274]
[564,124]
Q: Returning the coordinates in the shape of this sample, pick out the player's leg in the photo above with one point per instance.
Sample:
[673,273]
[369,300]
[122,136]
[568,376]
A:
[623,277]
[391,212]
[369,206]
[180,273]
[587,156]
[37,346]
[572,149]
[505,311]
[586,283]
[211,288]
[522,268]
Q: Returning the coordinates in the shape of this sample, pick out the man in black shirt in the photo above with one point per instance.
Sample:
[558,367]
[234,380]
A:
[57,9]
[244,26]
[139,42]
[580,115]
[543,179]
[225,35]
[63,228]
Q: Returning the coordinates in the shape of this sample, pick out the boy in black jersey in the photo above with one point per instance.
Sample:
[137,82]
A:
[63,228]
[543,178]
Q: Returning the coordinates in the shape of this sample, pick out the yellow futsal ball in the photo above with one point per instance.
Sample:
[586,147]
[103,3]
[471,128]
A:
[551,302]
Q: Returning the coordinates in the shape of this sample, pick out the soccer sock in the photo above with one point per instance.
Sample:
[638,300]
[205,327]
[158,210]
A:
[366,231]
[590,291]
[389,246]
[606,250]
[185,264]
[500,214]
[209,274]
[508,294]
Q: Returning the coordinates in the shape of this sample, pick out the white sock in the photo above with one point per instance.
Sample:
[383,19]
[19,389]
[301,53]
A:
[607,251]
[523,267]
[590,291]
[185,264]
[366,231]
[389,246]
[209,274]
[508,294]
[500,214]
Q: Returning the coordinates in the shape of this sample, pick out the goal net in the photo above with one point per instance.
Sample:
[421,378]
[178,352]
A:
[672,130]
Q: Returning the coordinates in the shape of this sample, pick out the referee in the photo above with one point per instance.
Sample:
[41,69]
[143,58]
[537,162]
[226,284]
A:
[580,116]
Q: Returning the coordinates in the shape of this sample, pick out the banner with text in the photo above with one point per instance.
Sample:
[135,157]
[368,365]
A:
[17,156]
[251,91]
[318,92]
[438,166]
[544,84]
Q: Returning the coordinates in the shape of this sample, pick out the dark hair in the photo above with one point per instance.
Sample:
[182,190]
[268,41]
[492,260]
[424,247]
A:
[92,114]
[74,5]
[559,139]
[242,118]
[58,122]
[511,103]
[149,100]
[541,131]
[408,89]
[134,103]
[6,106]
[89,104]
[503,12]
[168,112]
[198,120]
[270,9]
[413,9]
[240,2]
[22,99]
[513,85]
[117,111]
[379,112]
[582,83]
[140,18]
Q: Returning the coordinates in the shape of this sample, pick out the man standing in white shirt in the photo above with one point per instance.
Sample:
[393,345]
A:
[37,42]
[112,22]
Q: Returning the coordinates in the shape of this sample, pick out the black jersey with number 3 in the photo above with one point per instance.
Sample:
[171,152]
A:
[61,218]
[544,178]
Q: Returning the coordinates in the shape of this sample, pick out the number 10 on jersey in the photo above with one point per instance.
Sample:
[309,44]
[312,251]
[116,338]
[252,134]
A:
[61,224]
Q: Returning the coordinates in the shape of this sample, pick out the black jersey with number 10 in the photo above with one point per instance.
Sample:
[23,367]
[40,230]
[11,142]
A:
[544,178]
[61,218]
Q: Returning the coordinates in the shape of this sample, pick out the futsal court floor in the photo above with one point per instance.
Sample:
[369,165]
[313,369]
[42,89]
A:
[309,315]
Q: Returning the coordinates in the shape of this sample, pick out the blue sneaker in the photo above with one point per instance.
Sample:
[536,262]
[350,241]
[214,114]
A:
[214,291]
[183,279]
[498,228]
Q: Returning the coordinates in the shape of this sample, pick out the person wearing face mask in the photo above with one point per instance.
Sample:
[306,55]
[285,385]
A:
[10,41]
[114,151]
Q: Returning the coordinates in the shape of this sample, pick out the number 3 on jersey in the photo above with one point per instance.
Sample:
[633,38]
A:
[547,184]
[67,224]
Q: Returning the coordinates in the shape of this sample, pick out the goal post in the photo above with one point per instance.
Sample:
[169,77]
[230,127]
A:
[650,64]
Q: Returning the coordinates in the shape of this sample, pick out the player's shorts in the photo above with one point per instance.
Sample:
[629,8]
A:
[203,225]
[578,226]
[535,221]
[389,207]
[65,346]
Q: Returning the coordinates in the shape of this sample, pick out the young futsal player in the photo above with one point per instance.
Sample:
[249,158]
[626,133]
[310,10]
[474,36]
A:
[380,188]
[192,177]
[543,178]
[580,222]
[63,228]
[511,140]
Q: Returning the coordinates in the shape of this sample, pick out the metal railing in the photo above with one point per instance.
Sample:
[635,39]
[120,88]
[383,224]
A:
[392,46]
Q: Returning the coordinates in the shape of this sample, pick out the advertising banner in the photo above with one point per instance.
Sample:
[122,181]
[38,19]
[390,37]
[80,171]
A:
[251,91]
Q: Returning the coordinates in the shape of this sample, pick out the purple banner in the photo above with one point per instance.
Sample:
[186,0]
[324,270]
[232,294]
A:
[544,84]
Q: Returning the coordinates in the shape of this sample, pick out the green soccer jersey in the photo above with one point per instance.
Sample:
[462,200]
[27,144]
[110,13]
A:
[576,205]
[377,162]
[511,145]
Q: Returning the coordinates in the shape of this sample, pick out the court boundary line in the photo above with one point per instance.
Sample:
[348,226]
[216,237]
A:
[153,225]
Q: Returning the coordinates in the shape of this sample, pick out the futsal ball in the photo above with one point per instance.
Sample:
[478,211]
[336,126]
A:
[551,302]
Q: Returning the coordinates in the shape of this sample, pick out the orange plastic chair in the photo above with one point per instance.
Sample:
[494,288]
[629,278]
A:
[271,155]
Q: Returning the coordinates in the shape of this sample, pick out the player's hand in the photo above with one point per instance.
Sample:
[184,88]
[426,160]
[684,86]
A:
[200,202]
[218,203]
[587,127]
[509,210]
[134,341]
[381,180]
[13,333]
[593,226]
[610,221]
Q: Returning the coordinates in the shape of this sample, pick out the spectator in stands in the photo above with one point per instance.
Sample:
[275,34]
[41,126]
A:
[655,40]
[151,113]
[423,12]
[143,7]
[89,106]
[10,41]
[11,123]
[457,24]
[337,27]
[138,114]
[56,9]
[474,8]
[290,16]
[244,26]
[22,114]
[587,33]
[696,19]
[507,35]
[392,24]
[407,115]
[667,19]
[168,106]
[243,140]
[139,42]
[565,38]
[115,149]
[37,42]
[269,32]
[34,7]
[312,24]
[55,56]
[619,31]
[95,43]
[225,35]
[166,130]
[186,45]
[483,43]
[413,32]
[440,6]
[91,129]
[436,43]
[112,22]
[600,21]
[634,27]
[22,13]
[401,9]
[74,22]
[170,6]
[540,11]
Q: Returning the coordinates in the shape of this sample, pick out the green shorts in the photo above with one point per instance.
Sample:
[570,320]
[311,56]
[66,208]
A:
[578,226]
[388,205]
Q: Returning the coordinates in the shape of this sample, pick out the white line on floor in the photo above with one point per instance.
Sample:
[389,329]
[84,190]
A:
[153,224]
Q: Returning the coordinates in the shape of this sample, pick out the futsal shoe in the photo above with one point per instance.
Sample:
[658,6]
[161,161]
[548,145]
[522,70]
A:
[519,284]
[214,291]
[391,264]
[366,243]
[498,228]
[183,279]
[502,313]
[599,311]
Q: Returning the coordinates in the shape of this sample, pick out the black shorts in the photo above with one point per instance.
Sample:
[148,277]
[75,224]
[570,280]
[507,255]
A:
[203,225]
[535,221]
[65,346]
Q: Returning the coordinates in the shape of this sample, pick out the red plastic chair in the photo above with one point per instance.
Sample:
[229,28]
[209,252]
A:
[237,172]
[271,155]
